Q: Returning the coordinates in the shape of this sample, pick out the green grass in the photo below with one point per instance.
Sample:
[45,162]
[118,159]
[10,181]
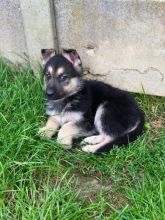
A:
[41,180]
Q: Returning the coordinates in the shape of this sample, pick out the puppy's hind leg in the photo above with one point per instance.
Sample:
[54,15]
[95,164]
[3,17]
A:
[94,148]
[96,139]
[103,124]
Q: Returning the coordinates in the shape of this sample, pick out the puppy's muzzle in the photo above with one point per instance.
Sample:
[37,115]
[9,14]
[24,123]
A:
[50,91]
[53,94]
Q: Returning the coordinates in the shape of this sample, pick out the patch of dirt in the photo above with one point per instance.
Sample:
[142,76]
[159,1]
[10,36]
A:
[91,186]
[43,178]
[158,123]
[88,185]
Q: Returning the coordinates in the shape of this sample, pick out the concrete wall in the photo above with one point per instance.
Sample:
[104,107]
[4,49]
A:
[12,35]
[121,42]
[26,27]
[39,24]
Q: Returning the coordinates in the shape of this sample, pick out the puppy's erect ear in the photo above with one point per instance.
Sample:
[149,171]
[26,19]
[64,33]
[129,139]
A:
[72,56]
[47,54]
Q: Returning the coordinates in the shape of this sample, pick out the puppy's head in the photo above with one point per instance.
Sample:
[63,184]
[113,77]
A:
[62,73]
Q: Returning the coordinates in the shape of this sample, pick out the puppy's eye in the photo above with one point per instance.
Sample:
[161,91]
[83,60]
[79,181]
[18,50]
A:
[48,75]
[63,78]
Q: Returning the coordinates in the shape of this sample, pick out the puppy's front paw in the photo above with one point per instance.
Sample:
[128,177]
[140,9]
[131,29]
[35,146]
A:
[65,141]
[46,132]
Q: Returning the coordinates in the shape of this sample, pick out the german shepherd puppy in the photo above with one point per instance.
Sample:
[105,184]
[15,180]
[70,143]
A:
[105,115]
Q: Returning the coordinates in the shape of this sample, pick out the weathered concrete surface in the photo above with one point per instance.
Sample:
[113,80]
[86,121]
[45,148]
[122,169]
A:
[39,24]
[12,36]
[121,42]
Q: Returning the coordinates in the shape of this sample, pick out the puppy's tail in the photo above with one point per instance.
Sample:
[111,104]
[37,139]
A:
[125,139]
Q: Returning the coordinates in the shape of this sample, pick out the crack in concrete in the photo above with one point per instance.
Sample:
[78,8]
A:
[146,71]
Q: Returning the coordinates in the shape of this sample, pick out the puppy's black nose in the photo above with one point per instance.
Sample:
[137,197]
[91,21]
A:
[49,91]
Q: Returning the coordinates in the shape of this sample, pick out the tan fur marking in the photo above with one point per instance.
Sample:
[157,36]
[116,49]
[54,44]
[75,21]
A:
[50,69]
[53,121]
[67,133]
[94,148]
[50,128]
[59,71]
[71,86]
